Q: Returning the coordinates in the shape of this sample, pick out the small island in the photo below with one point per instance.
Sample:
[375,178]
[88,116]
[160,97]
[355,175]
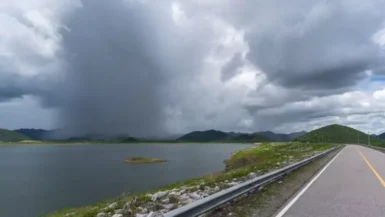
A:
[141,160]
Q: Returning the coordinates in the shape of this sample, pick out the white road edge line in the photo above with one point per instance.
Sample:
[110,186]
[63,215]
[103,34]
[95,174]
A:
[291,203]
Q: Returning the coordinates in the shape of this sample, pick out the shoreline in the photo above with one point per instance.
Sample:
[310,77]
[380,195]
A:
[174,195]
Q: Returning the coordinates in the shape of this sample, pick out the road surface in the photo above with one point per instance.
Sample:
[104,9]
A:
[351,185]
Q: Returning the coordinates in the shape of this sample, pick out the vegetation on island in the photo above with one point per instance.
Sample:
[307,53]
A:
[340,134]
[141,160]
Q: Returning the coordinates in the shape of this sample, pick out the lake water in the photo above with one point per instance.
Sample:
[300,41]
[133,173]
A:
[40,179]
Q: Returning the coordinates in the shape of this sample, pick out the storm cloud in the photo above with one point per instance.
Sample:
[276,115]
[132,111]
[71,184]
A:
[114,71]
[134,67]
[313,44]
[230,69]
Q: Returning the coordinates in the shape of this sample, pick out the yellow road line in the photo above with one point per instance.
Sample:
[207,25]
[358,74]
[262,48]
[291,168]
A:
[372,168]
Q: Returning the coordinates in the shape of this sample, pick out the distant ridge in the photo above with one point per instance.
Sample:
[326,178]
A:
[280,137]
[381,136]
[12,136]
[36,134]
[195,136]
[219,136]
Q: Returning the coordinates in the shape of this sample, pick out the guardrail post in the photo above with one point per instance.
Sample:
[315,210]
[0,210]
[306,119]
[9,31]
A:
[206,204]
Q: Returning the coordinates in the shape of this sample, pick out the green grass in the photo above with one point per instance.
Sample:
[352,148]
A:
[260,159]
[267,201]
[270,155]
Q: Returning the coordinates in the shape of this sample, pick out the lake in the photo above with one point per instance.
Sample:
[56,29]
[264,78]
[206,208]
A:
[40,179]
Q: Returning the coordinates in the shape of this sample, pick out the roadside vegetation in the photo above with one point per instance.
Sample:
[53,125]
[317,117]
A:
[243,165]
[268,200]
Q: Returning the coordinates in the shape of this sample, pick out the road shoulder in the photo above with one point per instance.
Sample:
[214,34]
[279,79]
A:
[271,198]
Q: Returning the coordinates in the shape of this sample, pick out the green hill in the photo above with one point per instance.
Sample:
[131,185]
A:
[204,136]
[381,136]
[219,136]
[339,134]
[243,137]
[11,136]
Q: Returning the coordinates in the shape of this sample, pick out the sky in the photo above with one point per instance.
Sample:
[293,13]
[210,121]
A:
[146,67]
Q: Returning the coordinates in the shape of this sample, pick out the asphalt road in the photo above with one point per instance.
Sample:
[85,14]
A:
[351,185]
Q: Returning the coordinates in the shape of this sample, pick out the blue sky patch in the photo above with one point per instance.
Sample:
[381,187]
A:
[377,78]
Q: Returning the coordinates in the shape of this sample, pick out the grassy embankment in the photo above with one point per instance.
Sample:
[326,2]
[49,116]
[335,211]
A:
[259,160]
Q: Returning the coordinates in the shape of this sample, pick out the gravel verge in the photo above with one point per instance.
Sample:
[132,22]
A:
[380,149]
[271,198]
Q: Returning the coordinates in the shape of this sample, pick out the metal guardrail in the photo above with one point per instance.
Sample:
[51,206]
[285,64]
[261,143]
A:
[206,204]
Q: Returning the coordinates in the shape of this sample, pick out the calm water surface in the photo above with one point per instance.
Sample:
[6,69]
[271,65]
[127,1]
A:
[36,180]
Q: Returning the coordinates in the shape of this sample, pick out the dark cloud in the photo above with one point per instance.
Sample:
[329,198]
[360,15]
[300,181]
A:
[8,90]
[16,86]
[296,64]
[126,67]
[115,75]
[12,85]
[309,44]
[325,110]
[229,70]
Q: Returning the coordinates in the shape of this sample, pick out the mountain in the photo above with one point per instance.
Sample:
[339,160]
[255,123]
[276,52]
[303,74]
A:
[296,135]
[219,136]
[204,136]
[381,136]
[160,137]
[36,134]
[280,137]
[339,134]
[274,136]
[126,139]
[11,136]
[244,137]
[55,135]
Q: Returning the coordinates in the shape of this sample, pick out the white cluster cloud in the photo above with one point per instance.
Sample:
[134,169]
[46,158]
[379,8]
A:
[193,65]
